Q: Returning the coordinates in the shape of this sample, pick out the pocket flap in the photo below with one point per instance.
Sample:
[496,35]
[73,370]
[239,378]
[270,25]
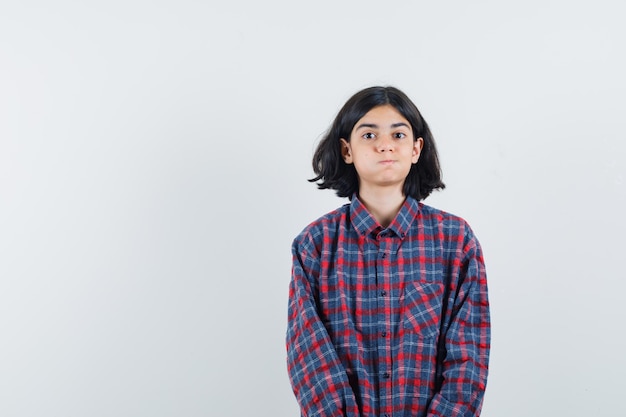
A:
[422,308]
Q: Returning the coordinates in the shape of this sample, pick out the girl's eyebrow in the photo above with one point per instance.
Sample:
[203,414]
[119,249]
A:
[368,125]
[375,126]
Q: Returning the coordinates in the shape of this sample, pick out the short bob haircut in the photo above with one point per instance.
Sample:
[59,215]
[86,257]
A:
[335,174]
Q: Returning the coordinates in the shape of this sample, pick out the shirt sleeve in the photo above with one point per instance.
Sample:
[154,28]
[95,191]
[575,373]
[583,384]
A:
[466,342]
[319,380]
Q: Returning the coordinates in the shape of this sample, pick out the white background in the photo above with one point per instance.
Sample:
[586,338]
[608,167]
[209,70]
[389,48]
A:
[153,166]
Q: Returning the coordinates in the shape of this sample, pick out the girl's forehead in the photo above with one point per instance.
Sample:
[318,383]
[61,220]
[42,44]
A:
[385,114]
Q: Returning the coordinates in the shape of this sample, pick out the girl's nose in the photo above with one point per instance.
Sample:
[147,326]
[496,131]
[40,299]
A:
[385,143]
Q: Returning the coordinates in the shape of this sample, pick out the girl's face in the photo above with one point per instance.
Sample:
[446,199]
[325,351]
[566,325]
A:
[382,149]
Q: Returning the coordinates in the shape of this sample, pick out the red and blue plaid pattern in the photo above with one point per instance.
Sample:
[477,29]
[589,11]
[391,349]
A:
[388,322]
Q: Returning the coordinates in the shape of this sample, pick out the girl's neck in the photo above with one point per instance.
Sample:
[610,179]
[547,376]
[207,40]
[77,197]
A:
[383,204]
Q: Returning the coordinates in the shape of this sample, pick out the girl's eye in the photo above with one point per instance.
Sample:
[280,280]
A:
[369,135]
[399,135]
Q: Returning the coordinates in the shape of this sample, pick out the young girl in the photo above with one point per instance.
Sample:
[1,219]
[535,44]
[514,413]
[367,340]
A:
[388,308]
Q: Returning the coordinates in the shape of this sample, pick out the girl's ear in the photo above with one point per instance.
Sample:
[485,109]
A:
[346,151]
[417,149]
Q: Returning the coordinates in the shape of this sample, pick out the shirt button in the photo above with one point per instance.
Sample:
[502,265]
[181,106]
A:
[383,293]
[384,334]
[386,375]
[383,255]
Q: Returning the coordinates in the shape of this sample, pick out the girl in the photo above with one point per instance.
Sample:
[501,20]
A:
[388,308]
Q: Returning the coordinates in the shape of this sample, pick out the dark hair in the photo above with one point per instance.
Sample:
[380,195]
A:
[336,174]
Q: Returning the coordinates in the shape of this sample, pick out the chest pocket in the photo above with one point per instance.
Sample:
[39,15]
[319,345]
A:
[422,308]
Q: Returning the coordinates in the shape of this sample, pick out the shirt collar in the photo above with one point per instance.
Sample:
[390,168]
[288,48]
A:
[366,225]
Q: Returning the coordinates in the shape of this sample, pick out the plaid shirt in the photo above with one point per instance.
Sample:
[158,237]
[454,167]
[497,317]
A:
[388,322]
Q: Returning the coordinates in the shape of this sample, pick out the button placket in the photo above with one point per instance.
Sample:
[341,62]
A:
[385,299]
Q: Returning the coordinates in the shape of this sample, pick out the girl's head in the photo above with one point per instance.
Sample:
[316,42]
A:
[329,163]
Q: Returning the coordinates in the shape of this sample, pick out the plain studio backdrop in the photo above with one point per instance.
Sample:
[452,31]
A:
[153,167]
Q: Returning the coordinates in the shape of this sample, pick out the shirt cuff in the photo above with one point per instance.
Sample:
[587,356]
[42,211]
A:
[440,407]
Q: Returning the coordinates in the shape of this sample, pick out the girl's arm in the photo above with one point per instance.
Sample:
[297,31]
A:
[317,377]
[467,341]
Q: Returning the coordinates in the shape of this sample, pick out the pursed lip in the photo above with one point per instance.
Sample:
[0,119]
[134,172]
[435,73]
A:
[387,161]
